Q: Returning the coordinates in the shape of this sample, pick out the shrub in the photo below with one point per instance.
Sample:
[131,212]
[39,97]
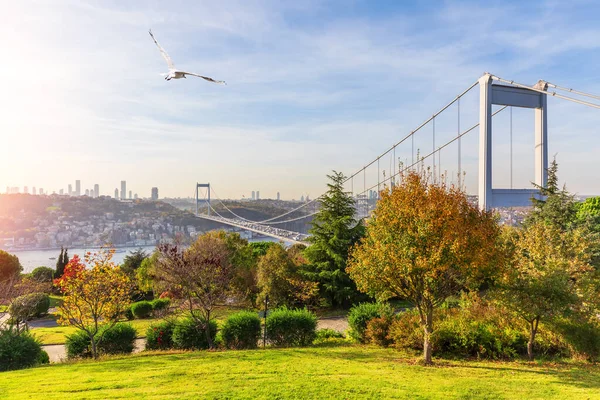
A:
[406,332]
[286,327]
[42,274]
[29,306]
[43,358]
[120,339]
[160,304]
[160,336]
[378,330]
[241,330]
[18,350]
[128,314]
[328,335]
[190,335]
[359,316]
[141,309]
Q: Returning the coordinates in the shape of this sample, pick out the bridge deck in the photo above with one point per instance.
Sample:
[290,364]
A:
[277,233]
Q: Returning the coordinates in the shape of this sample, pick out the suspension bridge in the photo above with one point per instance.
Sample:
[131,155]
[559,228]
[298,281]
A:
[437,144]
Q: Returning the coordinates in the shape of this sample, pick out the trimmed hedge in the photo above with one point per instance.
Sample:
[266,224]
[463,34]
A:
[287,327]
[120,339]
[29,306]
[361,314]
[241,331]
[160,336]
[19,350]
[141,309]
[190,335]
[160,304]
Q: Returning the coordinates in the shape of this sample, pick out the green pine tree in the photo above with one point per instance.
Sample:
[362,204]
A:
[556,206]
[334,231]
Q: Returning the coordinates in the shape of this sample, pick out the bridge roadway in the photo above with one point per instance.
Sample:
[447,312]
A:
[277,233]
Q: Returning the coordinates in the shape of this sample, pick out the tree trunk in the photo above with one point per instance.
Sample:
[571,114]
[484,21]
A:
[427,323]
[94,347]
[533,327]
[207,331]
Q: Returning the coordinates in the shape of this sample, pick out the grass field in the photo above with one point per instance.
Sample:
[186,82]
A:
[334,372]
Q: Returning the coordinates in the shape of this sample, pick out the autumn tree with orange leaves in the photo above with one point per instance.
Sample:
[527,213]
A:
[93,296]
[424,243]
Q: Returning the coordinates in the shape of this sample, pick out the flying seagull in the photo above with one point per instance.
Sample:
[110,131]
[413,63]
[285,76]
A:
[174,73]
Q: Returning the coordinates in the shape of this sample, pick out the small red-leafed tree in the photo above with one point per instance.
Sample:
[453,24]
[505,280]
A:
[202,273]
[424,243]
[93,296]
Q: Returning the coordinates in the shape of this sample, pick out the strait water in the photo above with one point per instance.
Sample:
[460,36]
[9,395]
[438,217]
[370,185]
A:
[31,259]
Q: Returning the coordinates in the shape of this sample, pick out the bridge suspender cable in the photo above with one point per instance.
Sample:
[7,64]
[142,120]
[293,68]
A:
[435,151]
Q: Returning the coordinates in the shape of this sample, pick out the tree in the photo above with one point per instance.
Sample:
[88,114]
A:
[9,266]
[334,231]
[279,278]
[133,261]
[94,296]
[61,263]
[557,206]
[424,243]
[547,273]
[202,274]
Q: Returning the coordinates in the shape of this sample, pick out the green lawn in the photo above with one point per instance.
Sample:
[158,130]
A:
[338,372]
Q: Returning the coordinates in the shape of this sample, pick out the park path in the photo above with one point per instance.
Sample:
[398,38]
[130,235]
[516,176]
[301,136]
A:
[58,353]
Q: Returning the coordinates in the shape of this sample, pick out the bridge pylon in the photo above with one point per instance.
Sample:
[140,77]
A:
[205,200]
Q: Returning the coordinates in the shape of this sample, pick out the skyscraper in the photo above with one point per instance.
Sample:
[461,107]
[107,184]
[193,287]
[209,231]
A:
[87,192]
[96,190]
[117,194]
[34,191]
[123,190]
[70,190]
[77,188]
[42,191]
[26,190]
[154,195]
[130,197]
[257,195]
[61,191]
[253,195]
[278,196]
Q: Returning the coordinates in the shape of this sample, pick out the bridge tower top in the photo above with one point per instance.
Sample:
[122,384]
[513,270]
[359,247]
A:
[205,199]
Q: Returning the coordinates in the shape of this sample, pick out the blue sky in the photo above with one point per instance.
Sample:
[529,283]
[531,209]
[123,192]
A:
[312,86]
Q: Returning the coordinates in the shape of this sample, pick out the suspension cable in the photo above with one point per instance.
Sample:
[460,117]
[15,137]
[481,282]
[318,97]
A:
[554,94]
[441,147]
[593,96]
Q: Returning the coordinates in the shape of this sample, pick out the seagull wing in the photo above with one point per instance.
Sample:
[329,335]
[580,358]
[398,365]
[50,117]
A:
[163,52]
[205,78]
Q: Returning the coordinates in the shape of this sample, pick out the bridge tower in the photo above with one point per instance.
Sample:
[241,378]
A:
[205,199]
[512,96]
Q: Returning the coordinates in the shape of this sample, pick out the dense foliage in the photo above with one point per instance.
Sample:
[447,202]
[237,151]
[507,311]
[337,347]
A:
[26,307]
[18,350]
[9,266]
[191,334]
[160,336]
[291,327]
[241,330]
[116,339]
[361,314]
[142,309]
[43,274]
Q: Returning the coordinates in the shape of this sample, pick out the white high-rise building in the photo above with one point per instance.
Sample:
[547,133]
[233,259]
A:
[78,188]
[41,191]
[61,191]
[257,195]
[278,196]
[96,190]
[34,191]
[253,195]
[70,190]
[130,197]
[123,190]
[117,194]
